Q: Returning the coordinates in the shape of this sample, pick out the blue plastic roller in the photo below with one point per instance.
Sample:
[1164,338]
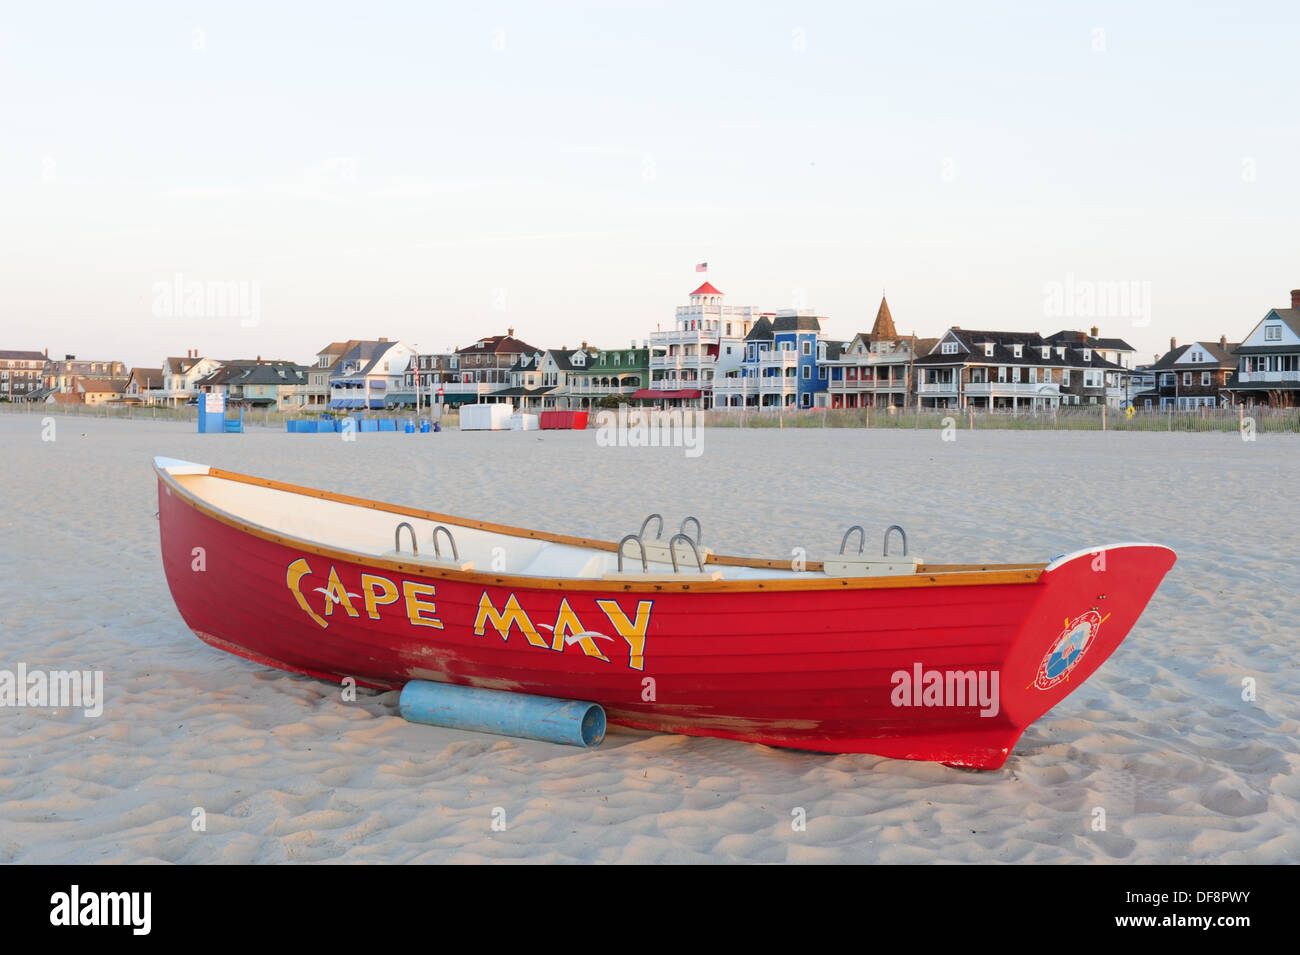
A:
[507,714]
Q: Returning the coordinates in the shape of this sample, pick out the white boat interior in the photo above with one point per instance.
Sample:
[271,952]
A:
[373,531]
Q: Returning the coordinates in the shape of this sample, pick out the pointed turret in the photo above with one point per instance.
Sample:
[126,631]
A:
[884,329]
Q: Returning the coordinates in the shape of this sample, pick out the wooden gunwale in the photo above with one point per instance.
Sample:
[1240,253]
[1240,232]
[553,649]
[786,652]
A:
[931,575]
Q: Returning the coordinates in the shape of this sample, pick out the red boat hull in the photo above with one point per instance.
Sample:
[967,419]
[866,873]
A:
[851,670]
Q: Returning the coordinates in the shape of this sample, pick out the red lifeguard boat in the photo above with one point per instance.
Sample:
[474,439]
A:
[854,654]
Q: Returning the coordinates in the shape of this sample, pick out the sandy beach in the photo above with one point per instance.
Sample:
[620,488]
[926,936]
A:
[286,771]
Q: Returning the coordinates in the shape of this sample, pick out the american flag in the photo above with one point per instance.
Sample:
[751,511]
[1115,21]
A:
[702,267]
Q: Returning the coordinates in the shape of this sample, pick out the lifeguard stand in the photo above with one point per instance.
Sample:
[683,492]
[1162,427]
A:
[212,416]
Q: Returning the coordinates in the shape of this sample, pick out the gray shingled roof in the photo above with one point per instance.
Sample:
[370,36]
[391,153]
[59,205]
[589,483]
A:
[796,323]
[1068,337]
[1170,358]
[973,341]
[761,331]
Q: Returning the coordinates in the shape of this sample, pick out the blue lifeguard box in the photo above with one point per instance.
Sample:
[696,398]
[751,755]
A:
[212,416]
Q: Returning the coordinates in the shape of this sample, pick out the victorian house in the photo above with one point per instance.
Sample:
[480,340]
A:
[876,367]
[1191,376]
[317,392]
[141,384]
[706,343]
[272,385]
[180,377]
[1013,371]
[784,365]
[480,372]
[597,375]
[1268,360]
[367,372]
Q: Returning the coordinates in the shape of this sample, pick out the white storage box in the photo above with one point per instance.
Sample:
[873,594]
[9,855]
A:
[487,417]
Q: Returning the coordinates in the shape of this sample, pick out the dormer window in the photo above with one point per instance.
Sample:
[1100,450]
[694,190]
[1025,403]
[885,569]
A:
[1017,350]
[988,349]
[1047,351]
[1060,351]
[1087,354]
[1272,333]
[948,348]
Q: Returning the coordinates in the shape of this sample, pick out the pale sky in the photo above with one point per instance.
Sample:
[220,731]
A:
[438,172]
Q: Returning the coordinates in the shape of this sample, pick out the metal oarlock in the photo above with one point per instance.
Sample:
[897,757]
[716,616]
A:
[397,539]
[659,533]
[699,531]
[862,538]
[901,533]
[672,551]
[645,564]
[437,551]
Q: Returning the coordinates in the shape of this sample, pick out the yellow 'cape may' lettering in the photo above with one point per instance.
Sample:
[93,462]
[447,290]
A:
[633,633]
[378,592]
[503,620]
[337,594]
[567,624]
[297,571]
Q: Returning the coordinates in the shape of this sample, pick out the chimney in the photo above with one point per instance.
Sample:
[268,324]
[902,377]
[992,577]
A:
[1295,298]
[1080,337]
[383,339]
[47,353]
[1173,343]
[584,346]
[510,333]
[1094,331]
[1223,342]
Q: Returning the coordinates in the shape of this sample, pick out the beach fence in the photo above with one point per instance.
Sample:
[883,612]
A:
[1069,418]
[264,418]
[1234,419]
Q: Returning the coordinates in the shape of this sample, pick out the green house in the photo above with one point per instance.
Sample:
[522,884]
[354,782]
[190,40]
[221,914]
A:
[607,373]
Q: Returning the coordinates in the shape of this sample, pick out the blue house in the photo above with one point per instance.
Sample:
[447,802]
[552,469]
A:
[801,333]
[782,365]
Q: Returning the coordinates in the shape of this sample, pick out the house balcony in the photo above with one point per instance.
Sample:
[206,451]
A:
[690,336]
[1037,389]
[855,385]
[716,312]
[681,384]
[681,361]
[600,389]
[1268,377]
[776,359]
[937,387]
[769,384]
